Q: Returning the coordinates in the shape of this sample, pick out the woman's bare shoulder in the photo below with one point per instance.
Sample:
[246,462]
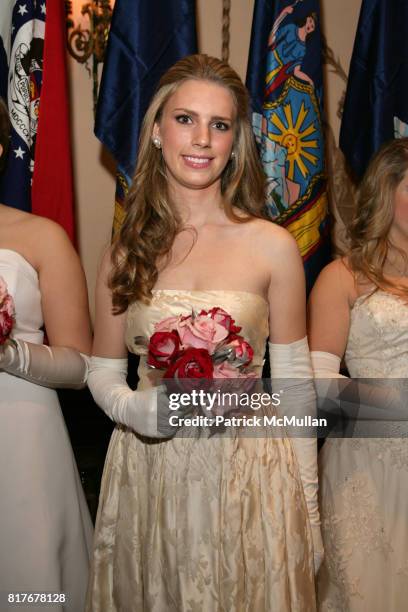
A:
[28,225]
[33,236]
[267,230]
[338,279]
[42,241]
[273,240]
[44,226]
[338,270]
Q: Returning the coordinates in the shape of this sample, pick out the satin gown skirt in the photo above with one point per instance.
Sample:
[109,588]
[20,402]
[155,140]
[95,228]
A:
[45,528]
[201,525]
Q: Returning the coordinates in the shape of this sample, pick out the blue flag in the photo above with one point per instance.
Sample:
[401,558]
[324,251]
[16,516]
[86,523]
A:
[145,39]
[376,103]
[22,28]
[284,78]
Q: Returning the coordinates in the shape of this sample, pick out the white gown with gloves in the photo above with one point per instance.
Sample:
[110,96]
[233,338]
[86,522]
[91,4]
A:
[45,527]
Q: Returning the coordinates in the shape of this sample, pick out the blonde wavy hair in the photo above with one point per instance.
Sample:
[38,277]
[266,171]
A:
[151,222]
[369,232]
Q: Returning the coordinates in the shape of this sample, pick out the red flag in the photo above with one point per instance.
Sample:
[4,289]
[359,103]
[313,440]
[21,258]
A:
[52,188]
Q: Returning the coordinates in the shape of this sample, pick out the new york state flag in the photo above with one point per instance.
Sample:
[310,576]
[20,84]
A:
[285,81]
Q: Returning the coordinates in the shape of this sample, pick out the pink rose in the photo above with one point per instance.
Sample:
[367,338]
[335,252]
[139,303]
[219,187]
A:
[239,382]
[7,306]
[3,289]
[167,325]
[7,312]
[202,332]
[228,379]
[6,325]
[225,370]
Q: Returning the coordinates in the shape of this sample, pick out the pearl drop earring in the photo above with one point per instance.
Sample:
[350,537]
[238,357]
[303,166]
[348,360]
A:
[157,142]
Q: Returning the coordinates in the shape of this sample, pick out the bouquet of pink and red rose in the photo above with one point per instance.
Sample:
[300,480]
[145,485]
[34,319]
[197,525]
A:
[7,312]
[206,345]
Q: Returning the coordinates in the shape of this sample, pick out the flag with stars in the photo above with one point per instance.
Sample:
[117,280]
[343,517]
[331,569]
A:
[145,39]
[38,173]
[284,78]
[22,33]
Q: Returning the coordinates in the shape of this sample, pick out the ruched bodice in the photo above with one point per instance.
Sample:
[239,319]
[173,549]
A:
[377,345]
[22,282]
[249,310]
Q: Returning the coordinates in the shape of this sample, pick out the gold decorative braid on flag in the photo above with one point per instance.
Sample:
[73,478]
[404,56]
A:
[226,7]
[284,218]
[118,217]
[122,189]
[306,228]
[295,84]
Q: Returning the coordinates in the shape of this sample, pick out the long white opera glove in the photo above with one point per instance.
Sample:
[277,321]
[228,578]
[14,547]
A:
[139,410]
[55,367]
[325,365]
[354,398]
[291,369]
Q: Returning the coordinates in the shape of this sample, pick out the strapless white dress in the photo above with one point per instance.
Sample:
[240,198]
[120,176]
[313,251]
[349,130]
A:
[45,526]
[364,481]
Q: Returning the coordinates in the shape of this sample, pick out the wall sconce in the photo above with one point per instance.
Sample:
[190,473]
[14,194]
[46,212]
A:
[86,44]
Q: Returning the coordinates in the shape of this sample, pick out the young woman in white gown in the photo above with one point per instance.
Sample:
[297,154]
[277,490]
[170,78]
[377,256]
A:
[359,311]
[217,523]
[45,527]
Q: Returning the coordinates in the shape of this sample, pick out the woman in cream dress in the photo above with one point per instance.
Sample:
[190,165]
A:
[187,525]
[359,310]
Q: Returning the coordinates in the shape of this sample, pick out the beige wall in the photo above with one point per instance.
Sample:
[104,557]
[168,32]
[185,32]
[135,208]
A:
[340,19]
[94,180]
[94,183]
[209,15]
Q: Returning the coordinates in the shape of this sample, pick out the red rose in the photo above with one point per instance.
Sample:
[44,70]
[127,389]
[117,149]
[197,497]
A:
[6,325]
[192,363]
[163,348]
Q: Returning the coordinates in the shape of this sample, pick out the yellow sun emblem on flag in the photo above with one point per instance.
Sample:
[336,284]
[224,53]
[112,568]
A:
[293,138]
